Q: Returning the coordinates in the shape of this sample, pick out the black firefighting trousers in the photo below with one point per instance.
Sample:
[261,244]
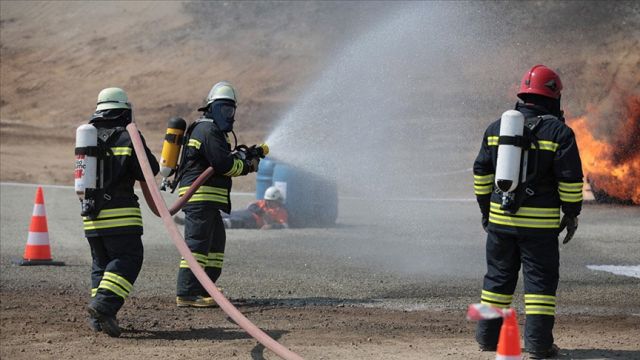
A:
[539,257]
[205,236]
[117,261]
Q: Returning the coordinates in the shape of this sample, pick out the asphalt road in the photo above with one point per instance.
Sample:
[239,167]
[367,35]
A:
[399,253]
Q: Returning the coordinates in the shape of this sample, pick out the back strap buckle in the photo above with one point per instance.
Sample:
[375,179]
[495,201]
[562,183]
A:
[516,140]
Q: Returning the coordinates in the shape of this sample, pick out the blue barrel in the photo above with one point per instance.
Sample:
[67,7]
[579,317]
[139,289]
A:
[324,202]
[311,200]
[264,177]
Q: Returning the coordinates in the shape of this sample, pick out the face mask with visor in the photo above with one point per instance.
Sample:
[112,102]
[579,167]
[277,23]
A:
[223,113]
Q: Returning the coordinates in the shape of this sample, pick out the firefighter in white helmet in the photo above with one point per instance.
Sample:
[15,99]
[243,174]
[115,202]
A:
[113,222]
[273,194]
[208,144]
[266,214]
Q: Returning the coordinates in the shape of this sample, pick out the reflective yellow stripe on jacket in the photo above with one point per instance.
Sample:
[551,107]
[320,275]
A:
[545,145]
[529,217]
[570,192]
[207,193]
[194,143]
[236,169]
[114,218]
[122,151]
[542,144]
[483,184]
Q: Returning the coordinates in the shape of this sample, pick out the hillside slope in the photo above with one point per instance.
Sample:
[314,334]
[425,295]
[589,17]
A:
[56,57]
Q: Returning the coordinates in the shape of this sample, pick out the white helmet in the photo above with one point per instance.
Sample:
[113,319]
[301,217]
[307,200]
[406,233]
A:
[221,90]
[112,98]
[272,193]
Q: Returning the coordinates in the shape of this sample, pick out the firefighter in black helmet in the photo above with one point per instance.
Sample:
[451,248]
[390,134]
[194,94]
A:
[527,234]
[208,144]
[114,226]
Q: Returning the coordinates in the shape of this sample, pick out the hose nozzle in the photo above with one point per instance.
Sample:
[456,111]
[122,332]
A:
[253,152]
[262,150]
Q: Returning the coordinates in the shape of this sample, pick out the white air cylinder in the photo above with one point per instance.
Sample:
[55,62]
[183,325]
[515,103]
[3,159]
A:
[509,156]
[86,161]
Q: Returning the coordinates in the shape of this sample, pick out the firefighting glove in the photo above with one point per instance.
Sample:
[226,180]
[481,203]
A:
[571,223]
[485,223]
[251,165]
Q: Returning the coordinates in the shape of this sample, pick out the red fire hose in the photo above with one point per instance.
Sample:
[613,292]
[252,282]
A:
[171,227]
[181,200]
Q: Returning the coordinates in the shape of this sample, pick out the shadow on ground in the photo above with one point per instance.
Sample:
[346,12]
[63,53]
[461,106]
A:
[599,354]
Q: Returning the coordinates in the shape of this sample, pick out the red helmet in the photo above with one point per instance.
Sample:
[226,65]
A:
[541,80]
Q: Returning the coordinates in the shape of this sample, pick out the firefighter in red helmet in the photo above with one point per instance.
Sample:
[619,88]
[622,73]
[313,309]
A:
[541,80]
[523,224]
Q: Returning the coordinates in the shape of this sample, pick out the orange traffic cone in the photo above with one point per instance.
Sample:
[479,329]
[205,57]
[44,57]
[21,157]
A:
[38,251]
[509,341]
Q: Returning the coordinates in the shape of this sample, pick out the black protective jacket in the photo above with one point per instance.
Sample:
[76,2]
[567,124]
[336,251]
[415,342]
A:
[208,146]
[119,208]
[557,182]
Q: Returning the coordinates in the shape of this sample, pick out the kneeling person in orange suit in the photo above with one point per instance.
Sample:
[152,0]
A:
[265,214]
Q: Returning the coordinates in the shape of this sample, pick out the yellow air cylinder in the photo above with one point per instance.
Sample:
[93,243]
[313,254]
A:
[172,145]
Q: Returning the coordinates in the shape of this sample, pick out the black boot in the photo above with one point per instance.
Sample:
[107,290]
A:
[94,324]
[487,334]
[550,353]
[108,323]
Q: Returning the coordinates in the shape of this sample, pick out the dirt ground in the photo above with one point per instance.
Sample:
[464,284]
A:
[317,291]
[35,328]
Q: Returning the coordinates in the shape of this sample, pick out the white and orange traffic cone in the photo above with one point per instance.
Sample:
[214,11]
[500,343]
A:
[38,251]
[509,341]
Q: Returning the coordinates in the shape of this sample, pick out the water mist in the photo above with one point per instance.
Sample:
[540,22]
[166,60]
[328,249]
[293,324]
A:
[381,119]
[384,121]
[396,119]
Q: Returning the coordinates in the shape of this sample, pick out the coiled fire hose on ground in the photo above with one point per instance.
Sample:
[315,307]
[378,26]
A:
[180,244]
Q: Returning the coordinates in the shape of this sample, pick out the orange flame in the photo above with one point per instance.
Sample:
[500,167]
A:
[612,166]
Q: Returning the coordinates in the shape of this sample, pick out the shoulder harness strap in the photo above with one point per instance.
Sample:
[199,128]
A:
[99,197]
[185,140]
[528,188]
